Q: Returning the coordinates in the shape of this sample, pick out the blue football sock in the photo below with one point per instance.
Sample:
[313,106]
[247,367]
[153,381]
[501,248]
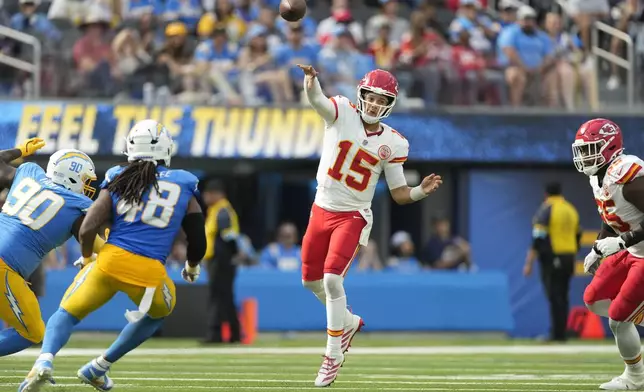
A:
[131,337]
[59,329]
[11,342]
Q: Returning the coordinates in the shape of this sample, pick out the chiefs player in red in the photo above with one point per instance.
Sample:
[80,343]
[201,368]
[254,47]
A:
[357,149]
[617,288]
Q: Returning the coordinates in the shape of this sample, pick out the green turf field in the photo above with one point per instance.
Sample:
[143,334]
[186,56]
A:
[373,364]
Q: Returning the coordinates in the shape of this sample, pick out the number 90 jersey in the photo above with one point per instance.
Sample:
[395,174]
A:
[613,208]
[150,228]
[352,161]
[37,217]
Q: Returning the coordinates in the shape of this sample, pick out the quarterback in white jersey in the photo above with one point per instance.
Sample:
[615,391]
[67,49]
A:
[616,291]
[357,149]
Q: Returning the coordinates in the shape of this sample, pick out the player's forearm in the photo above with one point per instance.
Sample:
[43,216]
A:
[11,155]
[605,232]
[407,195]
[322,105]
[634,236]
[194,227]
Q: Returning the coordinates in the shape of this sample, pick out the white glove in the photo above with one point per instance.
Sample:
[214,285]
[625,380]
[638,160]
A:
[82,262]
[591,262]
[610,245]
[190,274]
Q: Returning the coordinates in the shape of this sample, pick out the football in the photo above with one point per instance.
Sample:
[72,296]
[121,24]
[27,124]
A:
[292,10]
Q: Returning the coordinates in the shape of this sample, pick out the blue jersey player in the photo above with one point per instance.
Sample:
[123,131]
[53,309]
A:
[147,204]
[42,211]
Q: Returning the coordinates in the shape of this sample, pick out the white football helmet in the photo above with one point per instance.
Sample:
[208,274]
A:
[73,170]
[150,141]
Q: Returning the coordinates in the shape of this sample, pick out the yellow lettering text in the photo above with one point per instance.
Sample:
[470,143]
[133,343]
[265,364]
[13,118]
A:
[281,133]
[202,117]
[308,139]
[28,124]
[70,126]
[86,141]
[49,126]
[171,118]
[251,139]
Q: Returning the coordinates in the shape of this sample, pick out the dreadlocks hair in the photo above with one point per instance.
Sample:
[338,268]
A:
[131,184]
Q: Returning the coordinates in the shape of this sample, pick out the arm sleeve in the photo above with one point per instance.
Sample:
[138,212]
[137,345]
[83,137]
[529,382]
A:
[325,107]
[394,173]
[193,225]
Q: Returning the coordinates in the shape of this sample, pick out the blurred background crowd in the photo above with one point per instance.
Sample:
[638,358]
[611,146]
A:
[444,52]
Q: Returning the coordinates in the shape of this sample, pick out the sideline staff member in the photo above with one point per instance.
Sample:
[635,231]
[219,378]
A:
[222,233]
[555,242]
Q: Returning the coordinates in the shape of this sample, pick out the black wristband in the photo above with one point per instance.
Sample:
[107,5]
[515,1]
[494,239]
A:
[629,238]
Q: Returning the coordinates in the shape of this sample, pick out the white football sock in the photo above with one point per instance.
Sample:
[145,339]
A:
[102,362]
[317,287]
[46,357]
[335,309]
[600,308]
[629,346]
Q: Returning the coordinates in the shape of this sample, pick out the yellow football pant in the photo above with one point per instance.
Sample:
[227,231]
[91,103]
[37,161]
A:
[19,307]
[95,285]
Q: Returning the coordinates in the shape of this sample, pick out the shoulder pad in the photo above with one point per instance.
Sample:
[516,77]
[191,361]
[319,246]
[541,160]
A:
[624,169]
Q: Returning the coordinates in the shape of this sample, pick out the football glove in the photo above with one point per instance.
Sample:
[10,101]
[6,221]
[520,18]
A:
[591,262]
[190,274]
[82,261]
[30,146]
[610,245]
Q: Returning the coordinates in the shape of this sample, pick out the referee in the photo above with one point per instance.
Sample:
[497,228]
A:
[222,233]
[555,242]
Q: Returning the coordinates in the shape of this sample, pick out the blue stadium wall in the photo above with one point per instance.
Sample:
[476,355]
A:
[496,204]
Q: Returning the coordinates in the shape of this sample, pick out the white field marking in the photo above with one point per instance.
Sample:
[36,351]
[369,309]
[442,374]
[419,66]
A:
[308,380]
[299,388]
[498,377]
[437,350]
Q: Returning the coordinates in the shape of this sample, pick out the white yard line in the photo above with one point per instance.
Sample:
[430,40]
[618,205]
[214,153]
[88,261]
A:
[335,387]
[437,350]
[445,380]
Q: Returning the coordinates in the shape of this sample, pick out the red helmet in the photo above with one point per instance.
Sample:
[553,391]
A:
[597,143]
[382,83]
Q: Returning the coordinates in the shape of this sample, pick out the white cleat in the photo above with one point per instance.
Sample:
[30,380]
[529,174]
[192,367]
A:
[624,382]
[39,376]
[329,370]
[350,331]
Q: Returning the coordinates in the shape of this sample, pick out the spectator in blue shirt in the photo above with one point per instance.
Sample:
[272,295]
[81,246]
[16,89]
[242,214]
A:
[526,53]
[309,26]
[507,13]
[186,11]
[215,59]
[403,258]
[247,11]
[135,9]
[32,22]
[482,29]
[342,65]
[284,254]
[296,51]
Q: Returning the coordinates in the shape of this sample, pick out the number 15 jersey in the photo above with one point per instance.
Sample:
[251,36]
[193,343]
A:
[149,229]
[352,160]
[37,217]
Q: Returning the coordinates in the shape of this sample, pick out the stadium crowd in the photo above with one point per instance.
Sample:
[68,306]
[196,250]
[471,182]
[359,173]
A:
[458,52]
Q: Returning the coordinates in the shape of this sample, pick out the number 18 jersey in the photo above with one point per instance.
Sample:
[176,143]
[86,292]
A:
[352,160]
[149,229]
[37,217]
